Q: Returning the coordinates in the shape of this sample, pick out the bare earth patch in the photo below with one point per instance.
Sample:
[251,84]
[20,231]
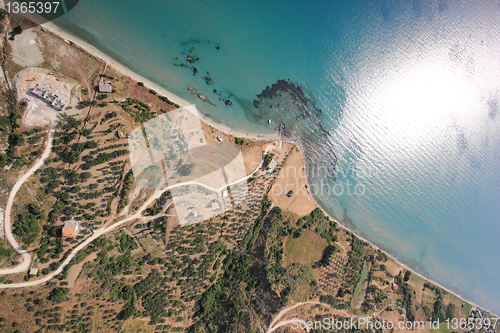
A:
[306,249]
[292,178]
[25,49]
[39,112]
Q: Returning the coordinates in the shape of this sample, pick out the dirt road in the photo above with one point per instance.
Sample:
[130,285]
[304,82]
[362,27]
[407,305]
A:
[96,234]
[24,266]
[274,324]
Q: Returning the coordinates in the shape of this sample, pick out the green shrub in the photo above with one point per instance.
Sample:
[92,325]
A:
[26,226]
[58,295]
[17,30]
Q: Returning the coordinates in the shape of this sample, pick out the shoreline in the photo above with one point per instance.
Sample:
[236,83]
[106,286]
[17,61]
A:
[150,85]
[393,257]
[225,129]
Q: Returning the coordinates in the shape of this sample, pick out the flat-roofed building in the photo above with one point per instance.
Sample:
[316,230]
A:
[105,87]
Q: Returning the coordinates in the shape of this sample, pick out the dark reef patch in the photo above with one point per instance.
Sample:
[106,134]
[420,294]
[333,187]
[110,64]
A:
[293,112]
[285,87]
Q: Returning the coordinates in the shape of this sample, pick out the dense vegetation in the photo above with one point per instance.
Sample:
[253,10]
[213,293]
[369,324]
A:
[91,161]
[138,110]
[127,243]
[225,300]
[58,295]
[253,232]
[165,99]
[26,225]
[267,160]
[318,222]
[9,124]
[239,141]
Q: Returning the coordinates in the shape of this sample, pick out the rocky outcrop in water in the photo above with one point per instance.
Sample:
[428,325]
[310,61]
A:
[191,59]
[293,109]
[285,87]
[208,80]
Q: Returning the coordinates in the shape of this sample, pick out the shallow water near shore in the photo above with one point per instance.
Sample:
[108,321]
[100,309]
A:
[401,131]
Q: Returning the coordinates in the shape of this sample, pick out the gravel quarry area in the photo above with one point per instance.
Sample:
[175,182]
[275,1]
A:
[39,112]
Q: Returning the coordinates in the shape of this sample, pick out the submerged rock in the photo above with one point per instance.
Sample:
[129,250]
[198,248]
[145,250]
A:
[208,80]
[293,91]
[195,70]
[190,59]
[202,97]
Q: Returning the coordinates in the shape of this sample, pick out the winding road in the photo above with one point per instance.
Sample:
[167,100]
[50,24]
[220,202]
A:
[23,266]
[275,325]
[80,246]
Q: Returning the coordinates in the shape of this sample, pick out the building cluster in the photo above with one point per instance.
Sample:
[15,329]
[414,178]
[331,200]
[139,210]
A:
[50,95]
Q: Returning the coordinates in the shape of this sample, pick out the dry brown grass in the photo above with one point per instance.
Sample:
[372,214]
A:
[306,249]
[68,60]
[292,178]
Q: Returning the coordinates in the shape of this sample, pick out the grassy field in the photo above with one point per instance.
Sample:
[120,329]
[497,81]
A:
[306,249]
[416,283]
[362,277]
[429,296]
[466,309]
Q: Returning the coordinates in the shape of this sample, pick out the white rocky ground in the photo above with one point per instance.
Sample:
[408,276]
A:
[25,49]
[38,112]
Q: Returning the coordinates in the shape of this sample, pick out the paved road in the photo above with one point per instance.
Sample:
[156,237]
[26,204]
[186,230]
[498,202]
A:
[23,266]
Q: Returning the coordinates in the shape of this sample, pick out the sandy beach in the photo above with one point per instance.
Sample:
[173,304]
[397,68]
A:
[161,91]
[393,257]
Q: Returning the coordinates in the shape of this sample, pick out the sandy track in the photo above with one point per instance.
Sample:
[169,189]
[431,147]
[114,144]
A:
[275,325]
[25,264]
[23,267]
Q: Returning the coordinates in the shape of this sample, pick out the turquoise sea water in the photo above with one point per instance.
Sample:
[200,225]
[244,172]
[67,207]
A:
[409,93]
